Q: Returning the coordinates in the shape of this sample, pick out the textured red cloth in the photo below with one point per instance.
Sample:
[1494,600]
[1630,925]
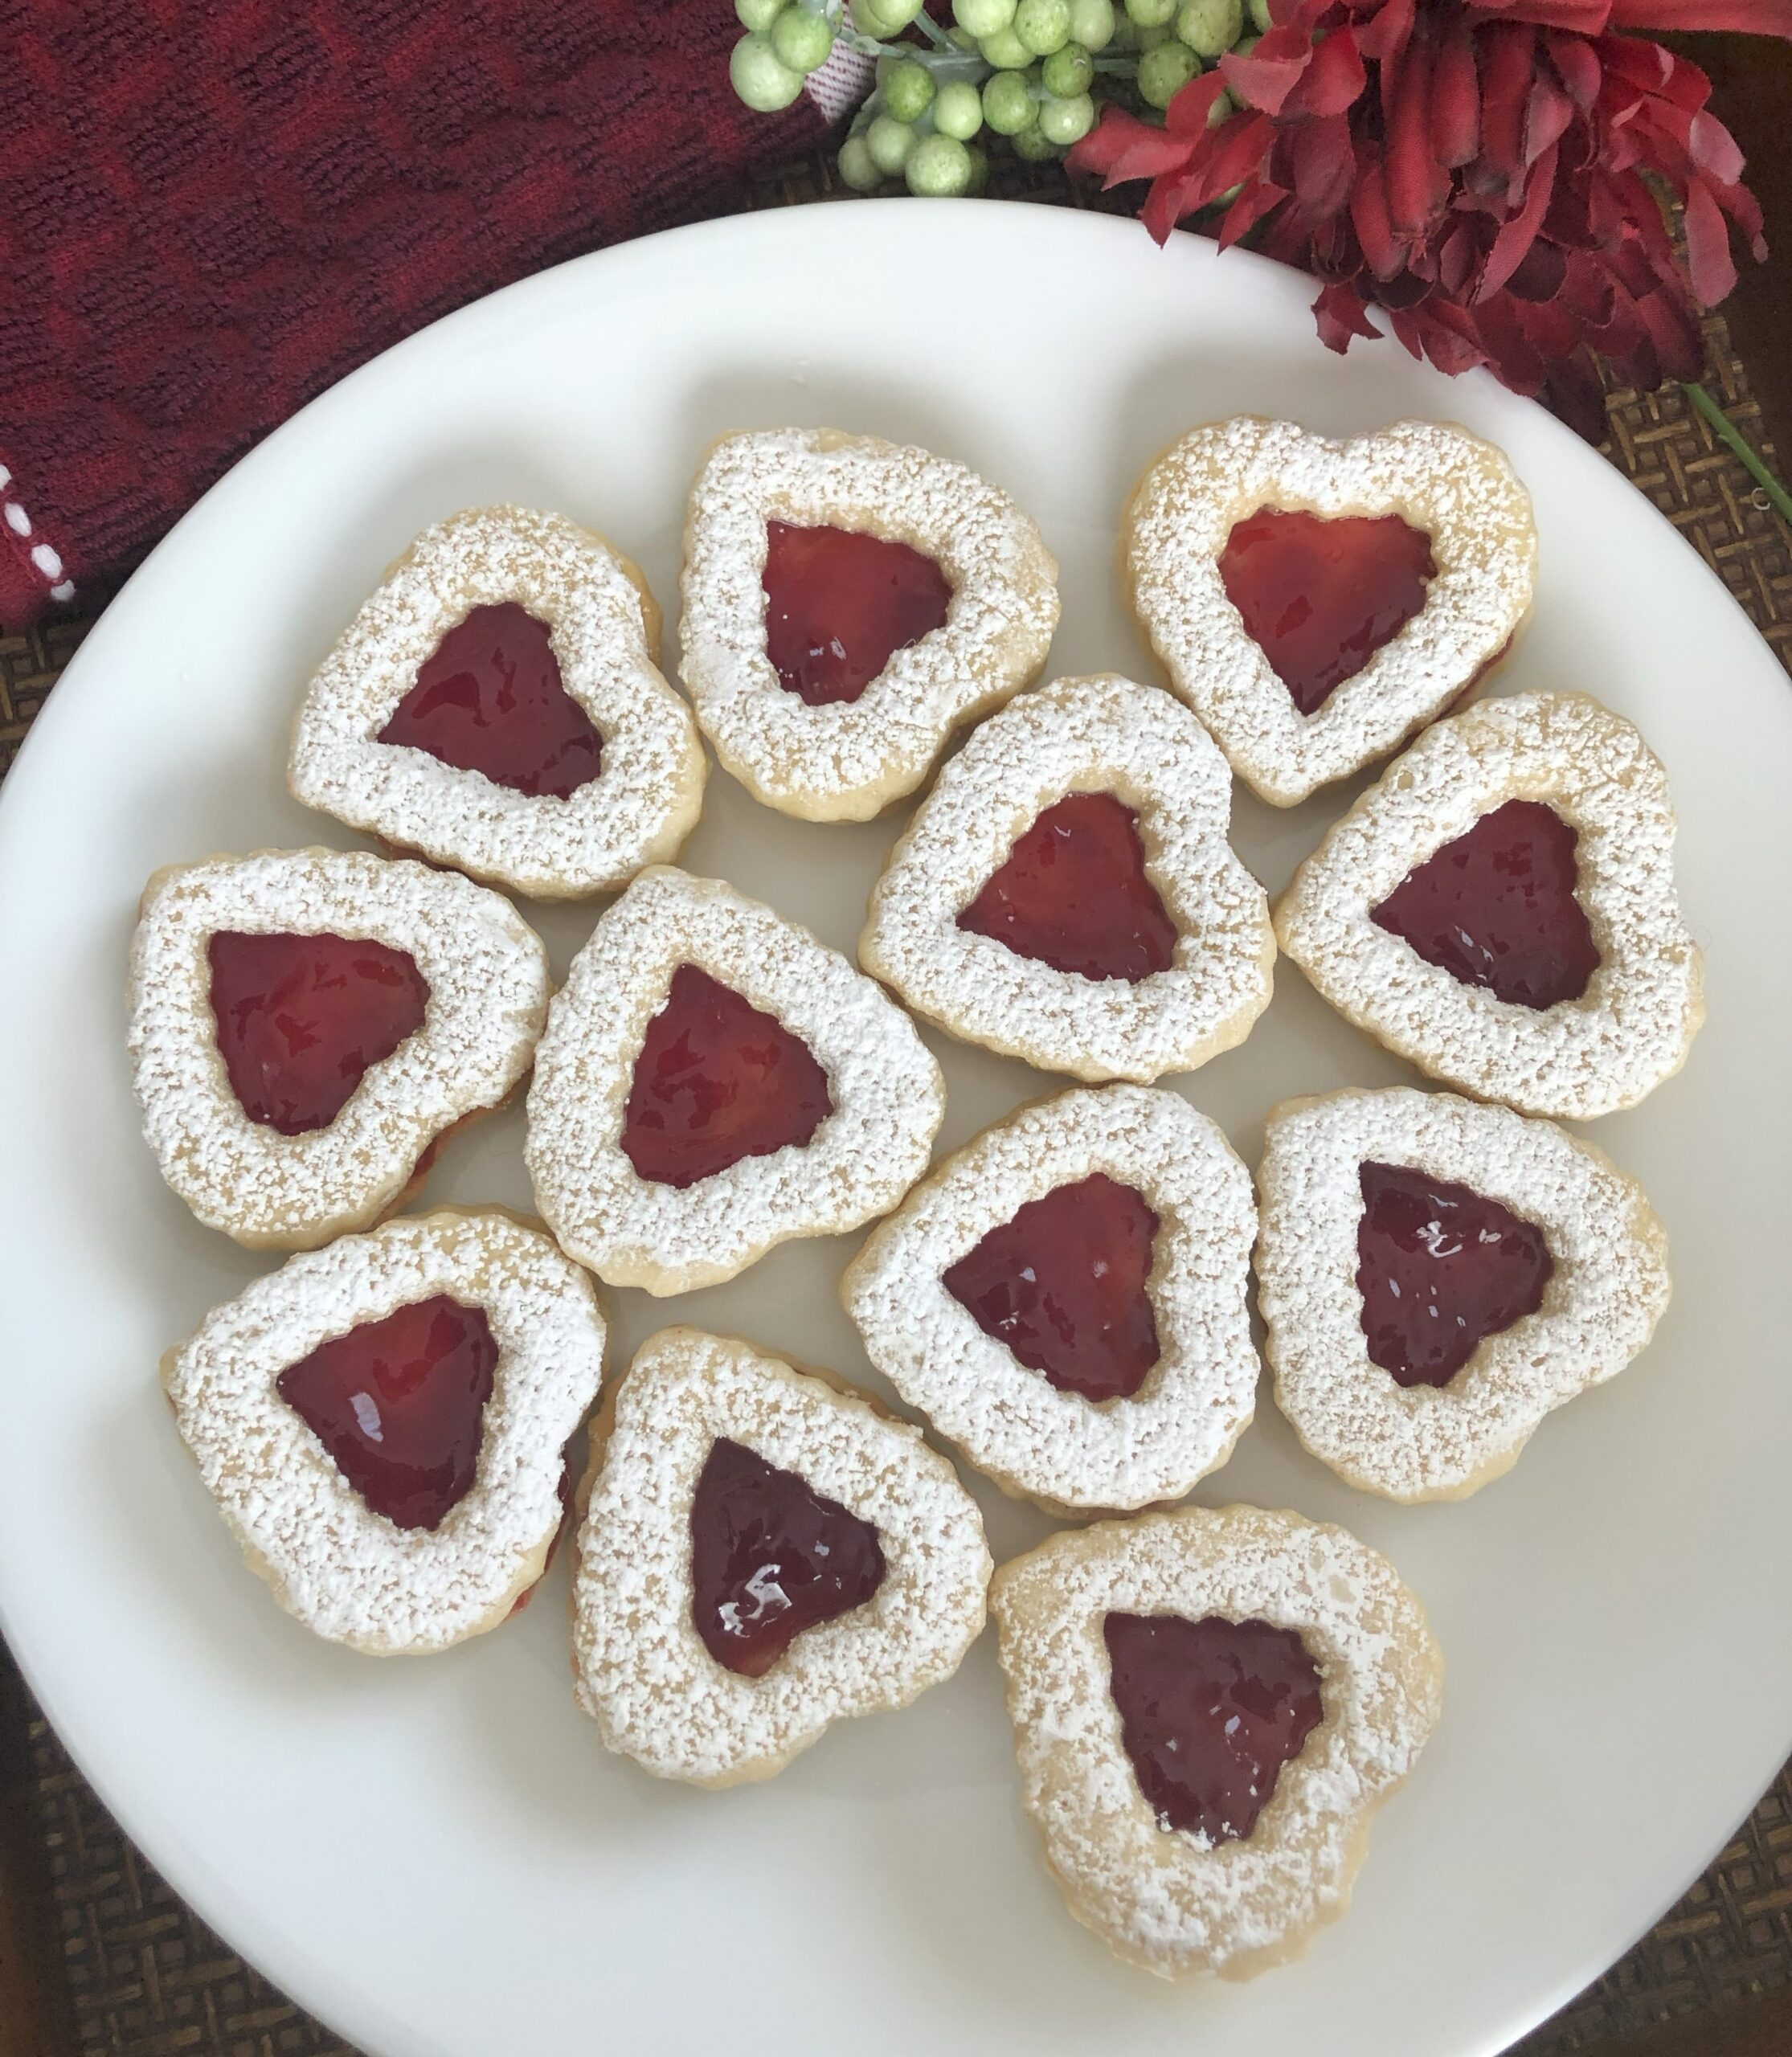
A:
[209,210]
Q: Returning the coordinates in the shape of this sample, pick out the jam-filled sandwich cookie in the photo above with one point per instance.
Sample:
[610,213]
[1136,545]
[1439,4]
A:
[1436,1276]
[496,706]
[848,604]
[1208,1708]
[1501,909]
[383,1423]
[714,1081]
[1316,602]
[306,1024]
[1066,895]
[1065,1299]
[763,1552]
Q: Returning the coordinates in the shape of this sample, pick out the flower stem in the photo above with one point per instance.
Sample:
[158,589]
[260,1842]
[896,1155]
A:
[1729,433]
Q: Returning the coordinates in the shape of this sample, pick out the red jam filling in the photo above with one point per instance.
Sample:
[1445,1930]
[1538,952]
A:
[1073,894]
[1063,1285]
[839,605]
[301,1017]
[1496,908]
[717,1081]
[1210,1711]
[399,1403]
[769,1558]
[1440,1267]
[1320,597]
[490,698]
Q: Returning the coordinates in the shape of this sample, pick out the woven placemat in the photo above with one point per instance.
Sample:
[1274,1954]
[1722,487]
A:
[118,1967]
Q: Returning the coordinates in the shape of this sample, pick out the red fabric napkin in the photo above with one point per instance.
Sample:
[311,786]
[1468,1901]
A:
[210,210]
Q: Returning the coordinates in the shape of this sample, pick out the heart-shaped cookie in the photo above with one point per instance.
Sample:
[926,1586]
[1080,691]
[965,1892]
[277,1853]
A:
[305,1025]
[383,1423]
[714,1081]
[1208,1706]
[763,1552]
[1500,909]
[1316,601]
[1065,1299]
[496,706]
[1066,895]
[848,604]
[1436,1276]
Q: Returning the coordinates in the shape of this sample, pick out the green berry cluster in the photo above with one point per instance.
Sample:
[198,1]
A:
[1027,70]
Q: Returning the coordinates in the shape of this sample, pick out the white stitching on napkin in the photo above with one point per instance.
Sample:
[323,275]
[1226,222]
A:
[43,560]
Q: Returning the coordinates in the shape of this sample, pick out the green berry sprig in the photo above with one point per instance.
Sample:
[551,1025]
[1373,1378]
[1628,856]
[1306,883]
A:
[1034,74]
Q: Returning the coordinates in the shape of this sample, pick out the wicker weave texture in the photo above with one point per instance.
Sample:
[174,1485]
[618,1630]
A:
[139,1976]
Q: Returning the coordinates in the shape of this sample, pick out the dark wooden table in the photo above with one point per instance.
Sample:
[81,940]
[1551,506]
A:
[1753,79]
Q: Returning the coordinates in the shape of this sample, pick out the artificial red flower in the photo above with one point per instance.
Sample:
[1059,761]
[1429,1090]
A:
[1490,173]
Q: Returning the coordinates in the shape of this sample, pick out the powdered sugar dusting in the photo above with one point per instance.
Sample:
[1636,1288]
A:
[1165,1899]
[1460,490]
[1067,1451]
[642,1670]
[1097,734]
[888,1096]
[1632,1027]
[487,974]
[344,1572]
[603,625]
[1609,1288]
[848,760]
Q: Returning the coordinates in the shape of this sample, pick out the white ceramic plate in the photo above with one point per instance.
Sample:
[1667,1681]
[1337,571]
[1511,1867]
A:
[437,1857]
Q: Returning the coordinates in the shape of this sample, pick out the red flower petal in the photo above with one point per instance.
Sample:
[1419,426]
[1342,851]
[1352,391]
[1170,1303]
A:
[1417,185]
[1332,249]
[1638,227]
[1321,164]
[1237,148]
[1744,209]
[1121,147]
[1455,100]
[1426,335]
[1707,245]
[1679,346]
[1547,113]
[1552,333]
[1368,215]
[1265,78]
[1587,291]
[1577,66]
[1341,315]
[1651,69]
[1186,116]
[1715,150]
[1169,199]
[1507,53]
[1746,17]
[1584,17]
[1538,278]
[1333,82]
[1385,34]
[1515,238]
[1258,197]
[1459,256]
[1510,351]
